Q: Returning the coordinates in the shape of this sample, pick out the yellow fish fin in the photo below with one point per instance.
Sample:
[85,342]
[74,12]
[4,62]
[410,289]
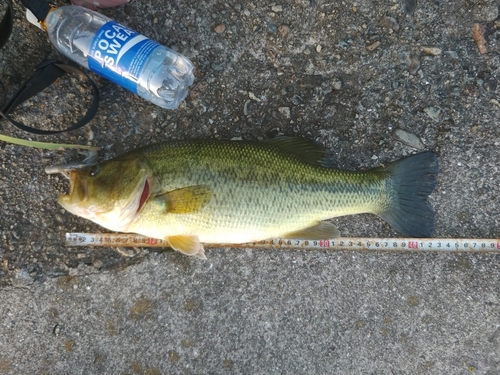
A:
[186,200]
[320,231]
[188,245]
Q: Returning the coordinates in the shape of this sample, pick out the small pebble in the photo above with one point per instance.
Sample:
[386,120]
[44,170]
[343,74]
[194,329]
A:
[336,84]
[272,27]
[495,102]
[283,30]
[408,138]
[474,129]
[56,330]
[455,91]
[433,112]
[389,23]
[219,29]
[89,134]
[432,51]
[37,246]
[452,54]
[409,6]
[296,99]
[129,11]
[285,111]
[414,65]
[217,67]
[478,32]
[252,96]
[247,107]
[277,8]
[490,84]
[373,46]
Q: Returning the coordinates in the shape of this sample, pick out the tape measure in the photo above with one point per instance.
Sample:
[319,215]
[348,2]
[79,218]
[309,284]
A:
[356,244]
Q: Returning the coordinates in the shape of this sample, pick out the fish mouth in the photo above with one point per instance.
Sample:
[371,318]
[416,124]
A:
[79,188]
[78,193]
[113,214]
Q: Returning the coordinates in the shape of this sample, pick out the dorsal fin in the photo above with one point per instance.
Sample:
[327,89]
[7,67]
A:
[307,150]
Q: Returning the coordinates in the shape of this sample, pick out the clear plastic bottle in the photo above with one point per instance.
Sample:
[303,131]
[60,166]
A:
[120,54]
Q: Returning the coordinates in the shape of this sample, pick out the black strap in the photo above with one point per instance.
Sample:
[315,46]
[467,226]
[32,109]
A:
[39,8]
[47,72]
[6,24]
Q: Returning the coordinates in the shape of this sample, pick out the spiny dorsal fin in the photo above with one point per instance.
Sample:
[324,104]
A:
[307,150]
[186,200]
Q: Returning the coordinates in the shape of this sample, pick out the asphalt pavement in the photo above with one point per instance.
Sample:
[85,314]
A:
[372,82]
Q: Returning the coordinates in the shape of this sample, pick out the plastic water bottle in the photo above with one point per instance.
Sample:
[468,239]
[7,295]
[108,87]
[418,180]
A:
[120,54]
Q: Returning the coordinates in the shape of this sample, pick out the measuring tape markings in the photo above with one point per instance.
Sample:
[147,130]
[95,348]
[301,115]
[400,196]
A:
[373,244]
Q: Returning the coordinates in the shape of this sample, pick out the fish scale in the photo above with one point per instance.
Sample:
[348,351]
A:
[243,176]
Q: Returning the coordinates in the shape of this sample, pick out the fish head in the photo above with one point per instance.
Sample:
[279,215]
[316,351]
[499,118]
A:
[110,193]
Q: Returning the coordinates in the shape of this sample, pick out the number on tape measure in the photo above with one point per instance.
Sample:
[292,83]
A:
[372,244]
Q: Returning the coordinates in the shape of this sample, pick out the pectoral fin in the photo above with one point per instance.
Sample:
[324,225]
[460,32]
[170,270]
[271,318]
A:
[186,200]
[320,231]
[189,245]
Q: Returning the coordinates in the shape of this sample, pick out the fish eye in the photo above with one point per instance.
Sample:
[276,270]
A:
[94,170]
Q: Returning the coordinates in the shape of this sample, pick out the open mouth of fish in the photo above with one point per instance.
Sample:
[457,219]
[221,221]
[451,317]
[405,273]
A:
[116,215]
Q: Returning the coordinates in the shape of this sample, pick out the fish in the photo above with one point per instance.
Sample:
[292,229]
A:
[199,191]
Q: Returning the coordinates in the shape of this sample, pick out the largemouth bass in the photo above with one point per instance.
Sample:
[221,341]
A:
[208,191]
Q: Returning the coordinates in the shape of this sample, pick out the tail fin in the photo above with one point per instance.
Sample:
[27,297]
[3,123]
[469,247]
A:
[410,182]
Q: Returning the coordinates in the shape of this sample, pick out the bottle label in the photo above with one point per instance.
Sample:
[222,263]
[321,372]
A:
[119,54]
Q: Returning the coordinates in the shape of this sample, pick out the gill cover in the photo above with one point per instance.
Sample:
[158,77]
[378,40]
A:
[110,193]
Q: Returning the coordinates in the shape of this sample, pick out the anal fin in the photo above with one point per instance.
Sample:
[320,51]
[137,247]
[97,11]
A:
[188,245]
[321,231]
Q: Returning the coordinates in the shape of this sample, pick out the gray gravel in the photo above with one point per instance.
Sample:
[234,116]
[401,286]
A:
[372,82]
